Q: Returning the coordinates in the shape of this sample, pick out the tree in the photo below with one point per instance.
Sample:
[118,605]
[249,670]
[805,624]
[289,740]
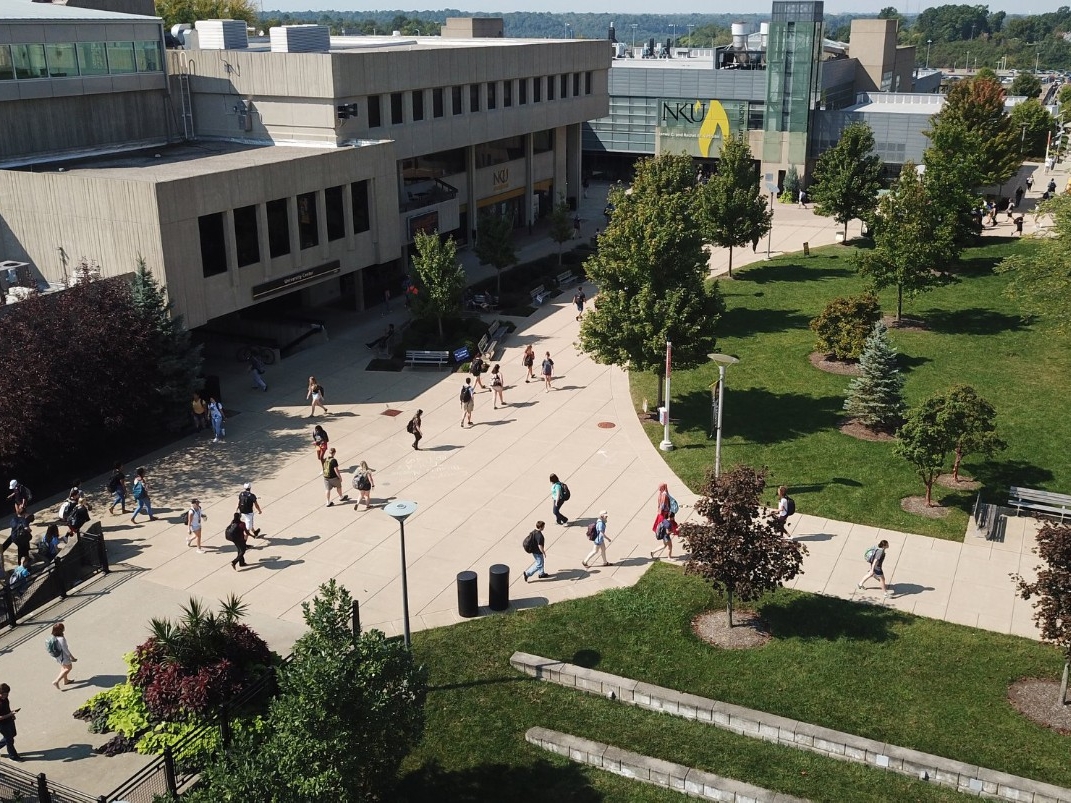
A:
[1034,123]
[792,185]
[952,164]
[734,210]
[494,245]
[970,421]
[924,440]
[847,177]
[1025,85]
[876,397]
[179,11]
[561,228]
[1041,278]
[440,278]
[1052,611]
[651,272]
[845,324]
[737,550]
[910,245]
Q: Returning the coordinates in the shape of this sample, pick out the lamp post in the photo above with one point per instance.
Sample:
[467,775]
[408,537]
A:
[568,27]
[633,26]
[928,43]
[400,510]
[1037,61]
[723,361]
[690,37]
[773,202]
[667,445]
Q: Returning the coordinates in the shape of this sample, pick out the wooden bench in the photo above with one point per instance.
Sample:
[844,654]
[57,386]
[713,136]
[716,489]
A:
[566,277]
[538,294]
[1046,502]
[439,358]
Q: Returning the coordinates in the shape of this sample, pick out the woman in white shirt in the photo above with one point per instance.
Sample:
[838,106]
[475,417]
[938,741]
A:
[63,656]
[194,517]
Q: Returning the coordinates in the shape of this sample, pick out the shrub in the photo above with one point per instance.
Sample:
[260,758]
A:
[844,325]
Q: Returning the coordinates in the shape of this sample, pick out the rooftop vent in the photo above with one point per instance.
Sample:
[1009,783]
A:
[222,34]
[300,39]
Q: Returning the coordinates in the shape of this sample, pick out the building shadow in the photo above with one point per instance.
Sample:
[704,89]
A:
[534,780]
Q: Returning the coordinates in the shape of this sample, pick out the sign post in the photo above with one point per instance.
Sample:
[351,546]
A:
[667,445]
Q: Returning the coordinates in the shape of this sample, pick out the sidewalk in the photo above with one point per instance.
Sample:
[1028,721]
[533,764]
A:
[479,491]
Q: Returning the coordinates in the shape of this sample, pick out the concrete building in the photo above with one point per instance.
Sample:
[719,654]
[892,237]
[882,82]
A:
[260,177]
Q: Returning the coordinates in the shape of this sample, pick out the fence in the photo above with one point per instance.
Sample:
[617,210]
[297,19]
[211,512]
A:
[17,784]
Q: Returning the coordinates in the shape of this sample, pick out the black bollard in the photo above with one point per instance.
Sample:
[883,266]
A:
[498,587]
[467,603]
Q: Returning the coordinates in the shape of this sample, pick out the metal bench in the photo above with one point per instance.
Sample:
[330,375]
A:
[1045,502]
[489,342]
[566,277]
[538,294]
[438,358]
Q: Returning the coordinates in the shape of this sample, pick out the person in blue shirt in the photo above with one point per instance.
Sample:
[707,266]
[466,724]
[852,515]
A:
[598,546]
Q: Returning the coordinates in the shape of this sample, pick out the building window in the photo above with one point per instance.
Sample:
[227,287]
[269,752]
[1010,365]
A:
[121,58]
[308,231]
[147,55]
[62,61]
[245,236]
[29,61]
[437,102]
[92,58]
[278,228]
[563,80]
[522,92]
[550,87]
[543,141]
[537,89]
[359,195]
[492,99]
[396,108]
[7,69]
[213,246]
[374,120]
[587,82]
[336,215]
[507,94]
[474,97]
[455,98]
[576,85]
[418,104]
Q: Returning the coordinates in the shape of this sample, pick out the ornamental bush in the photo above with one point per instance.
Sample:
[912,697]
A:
[844,325]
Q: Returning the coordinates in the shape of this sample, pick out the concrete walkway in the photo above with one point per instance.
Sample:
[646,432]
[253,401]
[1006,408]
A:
[479,491]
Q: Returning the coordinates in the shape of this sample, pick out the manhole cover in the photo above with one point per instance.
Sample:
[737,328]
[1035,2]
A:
[607,425]
[391,412]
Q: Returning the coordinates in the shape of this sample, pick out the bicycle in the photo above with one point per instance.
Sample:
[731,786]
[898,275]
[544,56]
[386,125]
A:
[266,356]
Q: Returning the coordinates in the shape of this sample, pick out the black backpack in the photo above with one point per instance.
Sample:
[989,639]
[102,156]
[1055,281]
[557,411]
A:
[477,367]
[529,544]
[245,502]
[466,394]
[114,482]
[233,531]
[564,495]
[411,426]
[790,506]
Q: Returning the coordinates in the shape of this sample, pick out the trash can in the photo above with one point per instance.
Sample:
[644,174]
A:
[467,604]
[498,587]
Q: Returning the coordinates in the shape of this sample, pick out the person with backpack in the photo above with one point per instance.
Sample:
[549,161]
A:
[579,300]
[247,503]
[237,534]
[256,370]
[666,505]
[332,479]
[20,496]
[528,361]
[48,546]
[786,507]
[21,537]
[467,403]
[142,500]
[599,542]
[413,428]
[875,556]
[315,396]
[548,372]
[559,495]
[59,649]
[20,576]
[117,488]
[477,367]
[536,545]
[77,517]
[215,412]
[666,531]
[320,442]
[194,517]
[7,723]
[498,385]
[364,483]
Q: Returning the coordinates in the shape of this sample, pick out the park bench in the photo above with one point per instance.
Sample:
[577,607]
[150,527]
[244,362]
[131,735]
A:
[438,358]
[1046,502]
[566,277]
[489,342]
[538,294]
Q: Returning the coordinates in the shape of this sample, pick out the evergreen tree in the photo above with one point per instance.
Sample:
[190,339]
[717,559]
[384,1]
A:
[847,177]
[792,185]
[734,211]
[876,398]
[494,245]
[561,228]
[440,278]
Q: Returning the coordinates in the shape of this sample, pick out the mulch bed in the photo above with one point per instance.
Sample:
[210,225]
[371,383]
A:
[854,428]
[823,362]
[1036,700]
[918,506]
[906,324]
[962,484]
[748,629]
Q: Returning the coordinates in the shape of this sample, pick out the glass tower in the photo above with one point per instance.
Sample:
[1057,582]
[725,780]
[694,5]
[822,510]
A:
[793,59]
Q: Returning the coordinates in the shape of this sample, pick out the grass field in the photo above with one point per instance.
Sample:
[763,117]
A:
[868,670]
[783,413]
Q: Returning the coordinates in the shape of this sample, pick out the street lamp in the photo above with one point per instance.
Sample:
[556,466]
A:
[928,43]
[633,26]
[1037,61]
[400,510]
[567,27]
[667,445]
[723,361]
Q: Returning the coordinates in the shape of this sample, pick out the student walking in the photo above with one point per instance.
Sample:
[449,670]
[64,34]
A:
[528,361]
[477,367]
[536,546]
[7,723]
[1019,225]
[199,412]
[117,488]
[315,396]
[877,559]
[579,300]
[413,428]
[785,508]
[666,504]
[559,495]
[665,532]
[548,372]
[498,385]
[142,501]
[333,478]
[247,503]
[194,517]
[364,482]
[466,402]
[256,370]
[215,413]
[61,651]
[236,533]
[320,441]
[598,546]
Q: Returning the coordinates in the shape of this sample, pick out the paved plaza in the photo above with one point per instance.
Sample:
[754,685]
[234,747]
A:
[479,491]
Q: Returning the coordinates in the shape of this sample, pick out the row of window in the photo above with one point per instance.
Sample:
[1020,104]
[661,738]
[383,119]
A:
[473,98]
[74,59]
[247,233]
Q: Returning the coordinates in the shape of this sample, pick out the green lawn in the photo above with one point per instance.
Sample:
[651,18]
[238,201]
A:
[783,413]
[872,671]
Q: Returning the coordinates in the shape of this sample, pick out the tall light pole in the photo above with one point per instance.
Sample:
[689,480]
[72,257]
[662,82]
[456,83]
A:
[568,27]
[690,36]
[723,361]
[1037,61]
[928,43]
[667,445]
[633,26]
[400,510]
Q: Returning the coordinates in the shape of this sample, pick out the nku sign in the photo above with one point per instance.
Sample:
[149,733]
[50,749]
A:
[692,126]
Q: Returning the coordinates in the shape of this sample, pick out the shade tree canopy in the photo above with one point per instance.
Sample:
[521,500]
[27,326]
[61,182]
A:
[847,177]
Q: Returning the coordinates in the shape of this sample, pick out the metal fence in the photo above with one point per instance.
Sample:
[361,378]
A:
[17,784]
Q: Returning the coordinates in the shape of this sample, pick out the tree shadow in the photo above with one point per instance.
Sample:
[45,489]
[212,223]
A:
[743,321]
[794,272]
[972,321]
[813,617]
[537,780]
[997,476]
[907,363]
[587,658]
[761,416]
